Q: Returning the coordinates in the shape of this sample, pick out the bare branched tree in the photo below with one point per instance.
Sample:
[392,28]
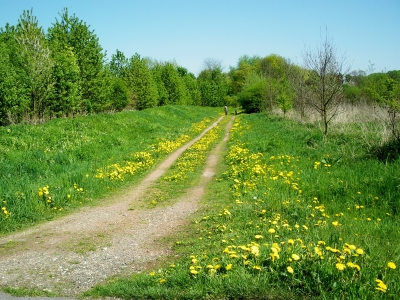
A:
[325,80]
[212,64]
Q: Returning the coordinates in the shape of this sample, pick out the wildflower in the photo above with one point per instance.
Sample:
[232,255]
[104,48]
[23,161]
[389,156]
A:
[340,266]
[335,223]
[258,236]
[255,250]
[360,251]
[391,265]
[193,270]
[257,268]
[228,267]
[295,256]
[353,266]
[271,230]
[290,269]
[162,280]
[351,247]
[381,286]
[290,241]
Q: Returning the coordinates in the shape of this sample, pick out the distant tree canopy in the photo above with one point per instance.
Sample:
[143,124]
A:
[64,72]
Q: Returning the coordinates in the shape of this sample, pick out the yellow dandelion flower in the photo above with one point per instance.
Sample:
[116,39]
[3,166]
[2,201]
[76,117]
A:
[295,256]
[255,250]
[381,286]
[193,271]
[228,267]
[340,266]
[353,266]
[360,251]
[290,269]
[391,265]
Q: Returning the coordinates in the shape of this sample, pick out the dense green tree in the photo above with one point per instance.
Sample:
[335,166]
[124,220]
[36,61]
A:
[74,33]
[37,63]
[352,93]
[174,85]
[238,76]
[249,60]
[274,66]
[193,90]
[214,86]
[119,64]
[141,84]
[253,96]
[119,97]
[385,90]
[66,98]
[14,93]
[394,74]
[156,72]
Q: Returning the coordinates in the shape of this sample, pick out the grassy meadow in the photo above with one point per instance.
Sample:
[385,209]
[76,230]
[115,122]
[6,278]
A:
[289,216]
[50,169]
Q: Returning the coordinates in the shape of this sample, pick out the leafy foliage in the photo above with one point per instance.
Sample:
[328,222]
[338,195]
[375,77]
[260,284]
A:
[141,83]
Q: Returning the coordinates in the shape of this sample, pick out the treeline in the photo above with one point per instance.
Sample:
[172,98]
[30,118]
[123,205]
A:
[322,87]
[64,72]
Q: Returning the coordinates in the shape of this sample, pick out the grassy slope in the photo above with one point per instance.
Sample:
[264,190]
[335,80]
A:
[302,219]
[49,169]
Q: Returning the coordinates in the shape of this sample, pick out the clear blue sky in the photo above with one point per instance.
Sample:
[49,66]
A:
[190,31]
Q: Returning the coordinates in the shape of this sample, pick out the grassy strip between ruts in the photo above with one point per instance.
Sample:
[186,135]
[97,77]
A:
[185,172]
[52,168]
[301,220]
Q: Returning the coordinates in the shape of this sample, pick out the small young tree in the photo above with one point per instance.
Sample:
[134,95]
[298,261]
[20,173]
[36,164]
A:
[326,72]
[285,96]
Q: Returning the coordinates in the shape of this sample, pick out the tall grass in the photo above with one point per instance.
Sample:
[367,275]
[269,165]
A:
[52,168]
[293,216]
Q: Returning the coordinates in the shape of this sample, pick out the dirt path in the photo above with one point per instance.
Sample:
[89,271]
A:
[123,240]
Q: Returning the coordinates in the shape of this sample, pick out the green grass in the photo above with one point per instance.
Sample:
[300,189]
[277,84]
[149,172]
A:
[50,169]
[186,171]
[291,216]
[28,292]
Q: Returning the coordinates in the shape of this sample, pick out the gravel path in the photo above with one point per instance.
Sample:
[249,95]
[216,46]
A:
[124,240]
